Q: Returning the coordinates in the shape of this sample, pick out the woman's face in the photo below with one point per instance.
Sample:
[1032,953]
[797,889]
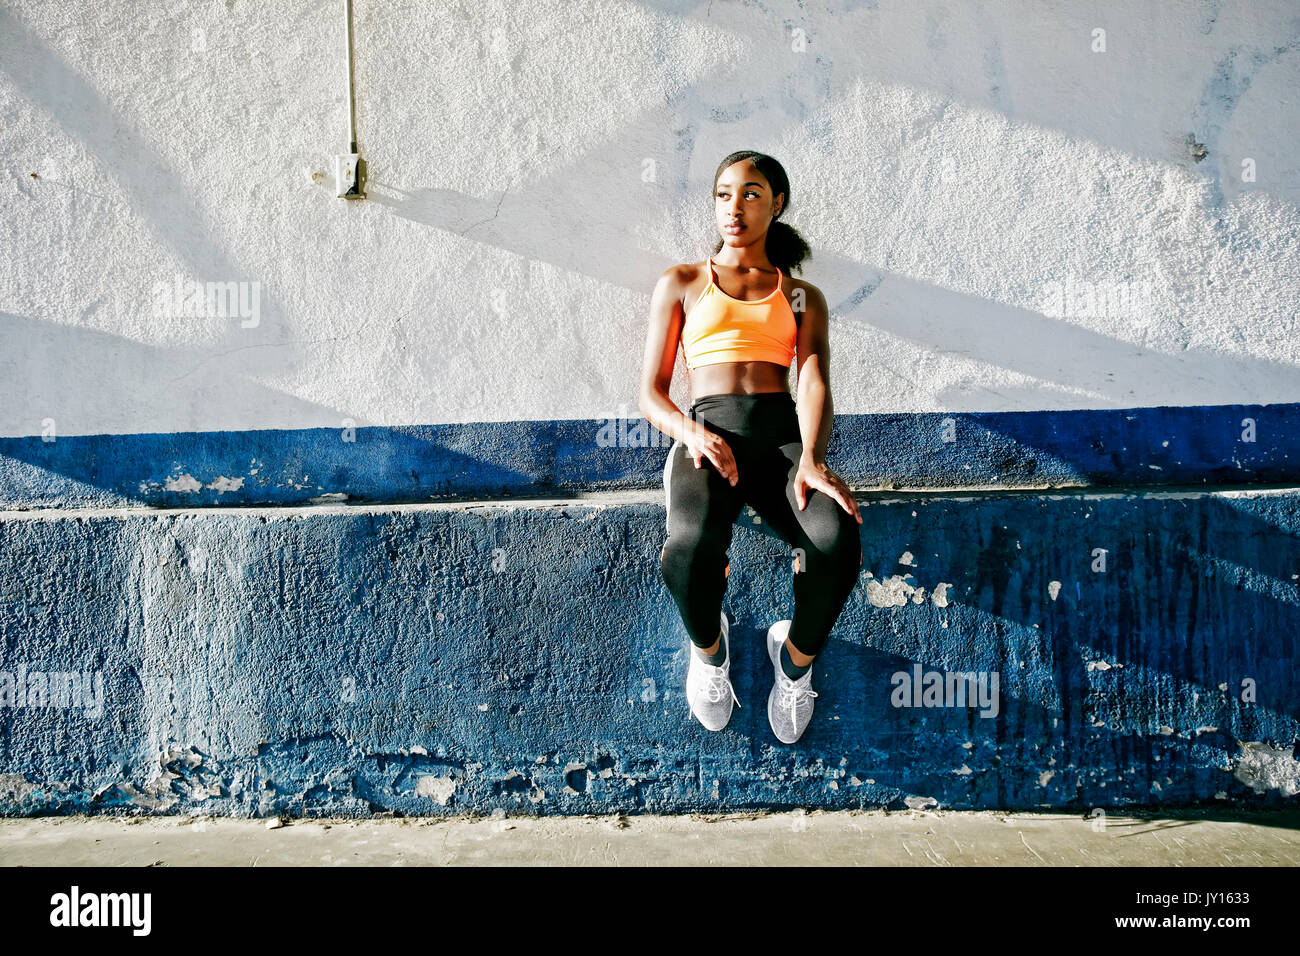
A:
[743,204]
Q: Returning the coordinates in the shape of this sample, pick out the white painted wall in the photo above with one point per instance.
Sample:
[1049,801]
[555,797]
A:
[957,158]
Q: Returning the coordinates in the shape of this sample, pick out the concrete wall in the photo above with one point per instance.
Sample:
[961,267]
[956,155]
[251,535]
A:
[1063,270]
[434,659]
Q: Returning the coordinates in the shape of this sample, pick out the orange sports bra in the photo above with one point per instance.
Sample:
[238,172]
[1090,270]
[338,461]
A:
[722,329]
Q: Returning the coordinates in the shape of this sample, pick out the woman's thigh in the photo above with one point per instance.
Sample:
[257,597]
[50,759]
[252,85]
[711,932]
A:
[822,526]
[700,503]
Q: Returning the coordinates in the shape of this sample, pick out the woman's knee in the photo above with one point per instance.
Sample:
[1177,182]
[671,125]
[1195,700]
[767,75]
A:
[837,542]
[693,546]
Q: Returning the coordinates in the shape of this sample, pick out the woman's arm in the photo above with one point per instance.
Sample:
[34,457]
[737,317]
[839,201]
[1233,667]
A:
[814,405]
[657,375]
[661,355]
[812,368]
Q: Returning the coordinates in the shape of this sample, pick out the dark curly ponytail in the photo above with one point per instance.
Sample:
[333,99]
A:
[785,247]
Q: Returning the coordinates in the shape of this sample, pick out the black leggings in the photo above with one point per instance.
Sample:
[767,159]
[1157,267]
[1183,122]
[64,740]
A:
[763,432]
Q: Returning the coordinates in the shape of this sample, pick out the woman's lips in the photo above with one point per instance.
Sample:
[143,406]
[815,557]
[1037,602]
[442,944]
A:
[734,227]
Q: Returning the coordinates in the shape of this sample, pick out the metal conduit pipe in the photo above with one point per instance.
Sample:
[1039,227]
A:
[349,170]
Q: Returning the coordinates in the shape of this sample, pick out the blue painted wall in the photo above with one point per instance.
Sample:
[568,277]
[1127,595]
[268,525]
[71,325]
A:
[1136,447]
[444,658]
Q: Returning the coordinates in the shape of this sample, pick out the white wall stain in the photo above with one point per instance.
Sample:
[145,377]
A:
[1053,589]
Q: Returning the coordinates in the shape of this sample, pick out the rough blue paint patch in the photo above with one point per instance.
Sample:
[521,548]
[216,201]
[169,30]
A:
[443,659]
[1140,447]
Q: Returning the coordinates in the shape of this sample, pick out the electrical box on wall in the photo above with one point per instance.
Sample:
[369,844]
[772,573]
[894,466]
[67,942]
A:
[348,171]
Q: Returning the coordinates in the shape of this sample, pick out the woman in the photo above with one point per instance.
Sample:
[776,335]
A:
[742,319]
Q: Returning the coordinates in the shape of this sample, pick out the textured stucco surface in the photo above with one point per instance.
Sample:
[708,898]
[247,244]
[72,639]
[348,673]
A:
[436,659]
[948,163]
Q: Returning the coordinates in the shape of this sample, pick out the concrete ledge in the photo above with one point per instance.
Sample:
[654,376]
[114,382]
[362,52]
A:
[439,659]
[797,838]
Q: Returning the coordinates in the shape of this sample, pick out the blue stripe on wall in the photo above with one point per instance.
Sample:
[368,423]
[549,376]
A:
[1216,445]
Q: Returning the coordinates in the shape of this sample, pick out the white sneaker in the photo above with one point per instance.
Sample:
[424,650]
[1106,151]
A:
[708,689]
[790,704]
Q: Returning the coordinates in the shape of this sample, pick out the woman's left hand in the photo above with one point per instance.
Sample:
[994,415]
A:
[816,476]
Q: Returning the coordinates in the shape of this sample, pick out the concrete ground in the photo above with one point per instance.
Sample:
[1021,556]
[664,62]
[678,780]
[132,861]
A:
[903,838]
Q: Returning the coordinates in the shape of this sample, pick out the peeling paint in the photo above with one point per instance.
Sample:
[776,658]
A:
[1263,767]
[223,484]
[438,789]
[895,591]
[183,482]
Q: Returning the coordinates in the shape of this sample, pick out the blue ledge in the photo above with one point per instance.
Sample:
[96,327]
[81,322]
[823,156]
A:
[1219,445]
[437,659]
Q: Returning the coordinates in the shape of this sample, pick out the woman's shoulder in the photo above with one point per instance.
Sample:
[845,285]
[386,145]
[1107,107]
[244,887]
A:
[810,291]
[689,271]
[804,284]
[683,276]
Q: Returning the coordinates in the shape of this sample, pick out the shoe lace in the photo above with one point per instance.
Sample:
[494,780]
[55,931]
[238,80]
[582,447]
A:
[719,683]
[790,693]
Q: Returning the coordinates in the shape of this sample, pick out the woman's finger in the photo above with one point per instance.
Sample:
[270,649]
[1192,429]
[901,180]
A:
[726,466]
[845,497]
[726,462]
[831,486]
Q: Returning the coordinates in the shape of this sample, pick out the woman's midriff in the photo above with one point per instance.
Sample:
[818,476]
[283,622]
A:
[754,424]
[739,378]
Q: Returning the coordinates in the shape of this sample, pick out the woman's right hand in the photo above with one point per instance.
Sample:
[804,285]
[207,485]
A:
[701,443]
